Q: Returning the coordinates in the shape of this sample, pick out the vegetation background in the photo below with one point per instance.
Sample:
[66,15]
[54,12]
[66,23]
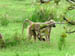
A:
[12,15]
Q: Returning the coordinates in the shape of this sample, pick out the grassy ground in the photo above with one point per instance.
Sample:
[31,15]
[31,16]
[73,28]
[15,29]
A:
[24,47]
[18,46]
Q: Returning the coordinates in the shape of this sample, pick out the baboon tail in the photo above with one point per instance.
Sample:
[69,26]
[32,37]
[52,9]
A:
[26,21]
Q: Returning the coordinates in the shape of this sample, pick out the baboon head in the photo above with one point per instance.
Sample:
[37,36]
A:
[42,39]
[52,23]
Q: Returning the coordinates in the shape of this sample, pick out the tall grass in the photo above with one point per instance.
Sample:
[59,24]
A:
[40,14]
[4,21]
[45,12]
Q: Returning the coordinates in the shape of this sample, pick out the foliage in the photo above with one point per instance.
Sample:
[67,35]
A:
[47,12]
[27,48]
[18,10]
[62,40]
[57,1]
[40,14]
[4,21]
[16,39]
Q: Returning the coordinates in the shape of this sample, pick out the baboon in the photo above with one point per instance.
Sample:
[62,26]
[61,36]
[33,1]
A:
[35,29]
[47,30]
[2,42]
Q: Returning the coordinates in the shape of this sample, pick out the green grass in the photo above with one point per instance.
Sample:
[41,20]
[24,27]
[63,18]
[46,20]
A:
[20,10]
[29,48]
[16,12]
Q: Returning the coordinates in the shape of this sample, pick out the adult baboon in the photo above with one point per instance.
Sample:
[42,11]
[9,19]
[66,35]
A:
[35,29]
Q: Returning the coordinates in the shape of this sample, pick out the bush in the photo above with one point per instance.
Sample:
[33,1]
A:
[4,21]
[45,13]
[16,39]
[61,43]
[41,14]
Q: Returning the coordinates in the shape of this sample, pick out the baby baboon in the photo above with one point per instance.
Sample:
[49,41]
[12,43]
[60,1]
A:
[2,42]
[47,31]
[42,39]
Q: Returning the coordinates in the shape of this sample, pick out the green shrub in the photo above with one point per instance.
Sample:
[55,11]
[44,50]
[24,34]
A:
[19,0]
[41,14]
[45,12]
[61,43]
[16,39]
[4,21]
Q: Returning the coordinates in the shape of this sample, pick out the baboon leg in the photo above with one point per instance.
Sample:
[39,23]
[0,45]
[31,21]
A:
[49,34]
[35,38]
[34,35]
[46,38]
[39,36]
